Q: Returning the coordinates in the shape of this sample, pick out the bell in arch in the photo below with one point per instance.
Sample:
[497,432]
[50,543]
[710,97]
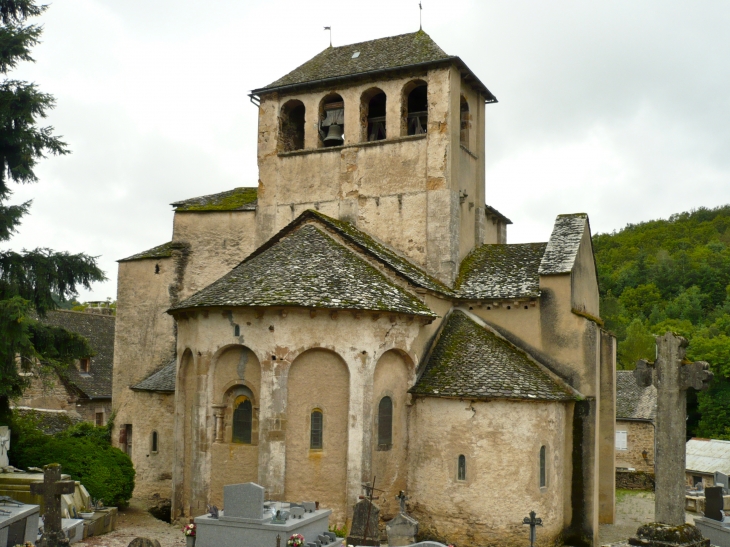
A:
[334,135]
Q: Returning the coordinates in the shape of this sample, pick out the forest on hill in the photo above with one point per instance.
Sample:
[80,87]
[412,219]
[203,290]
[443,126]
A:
[673,275]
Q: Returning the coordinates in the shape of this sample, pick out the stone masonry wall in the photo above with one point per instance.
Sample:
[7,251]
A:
[640,437]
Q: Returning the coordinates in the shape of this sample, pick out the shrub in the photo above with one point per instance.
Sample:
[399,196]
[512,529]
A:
[84,453]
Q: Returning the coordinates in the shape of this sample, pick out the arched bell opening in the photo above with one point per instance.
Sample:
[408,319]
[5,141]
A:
[332,121]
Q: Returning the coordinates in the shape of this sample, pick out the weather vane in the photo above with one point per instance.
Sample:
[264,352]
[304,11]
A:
[330,29]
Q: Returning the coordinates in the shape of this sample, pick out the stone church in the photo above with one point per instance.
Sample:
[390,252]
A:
[361,316]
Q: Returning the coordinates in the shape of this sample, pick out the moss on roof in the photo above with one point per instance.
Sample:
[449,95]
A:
[307,268]
[161,251]
[383,53]
[401,265]
[562,249]
[501,271]
[238,199]
[470,360]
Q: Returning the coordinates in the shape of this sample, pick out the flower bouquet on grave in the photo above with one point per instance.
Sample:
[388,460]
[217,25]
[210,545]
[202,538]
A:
[189,530]
[296,540]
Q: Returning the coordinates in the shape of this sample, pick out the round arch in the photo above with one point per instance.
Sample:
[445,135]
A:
[331,120]
[372,114]
[414,108]
[292,116]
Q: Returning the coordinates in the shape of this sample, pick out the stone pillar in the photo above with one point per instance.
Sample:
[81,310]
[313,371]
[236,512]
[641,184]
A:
[672,377]
[219,411]
[607,431]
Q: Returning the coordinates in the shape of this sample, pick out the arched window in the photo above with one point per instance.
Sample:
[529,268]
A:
[332,120]
[543,471]
[374,106]
[317,430]
[461,468]
[385,422]
[465,123]
[417,109]
[153,442]
[242,420]
[291,134]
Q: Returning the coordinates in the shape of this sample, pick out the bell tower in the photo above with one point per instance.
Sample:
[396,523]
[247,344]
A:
[386,134]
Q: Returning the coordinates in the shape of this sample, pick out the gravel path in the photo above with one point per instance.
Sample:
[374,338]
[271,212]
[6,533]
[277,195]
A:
[134,522]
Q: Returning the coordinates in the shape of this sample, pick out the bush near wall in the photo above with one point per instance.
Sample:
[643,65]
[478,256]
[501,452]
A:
[634,480]
[84,452]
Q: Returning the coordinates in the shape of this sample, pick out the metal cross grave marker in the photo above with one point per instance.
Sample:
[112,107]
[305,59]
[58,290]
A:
[533,522]
[672,376]
[401,497]
[52,488]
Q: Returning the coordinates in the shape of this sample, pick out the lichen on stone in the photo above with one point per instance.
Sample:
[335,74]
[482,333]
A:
[238,199]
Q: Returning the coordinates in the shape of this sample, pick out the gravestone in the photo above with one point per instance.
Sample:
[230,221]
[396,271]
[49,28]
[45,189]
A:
[244,501]
[364,529]
[52,488]
[672,377]
[714,503]
[4,445]
[144,542]
[402,530]
[721,480]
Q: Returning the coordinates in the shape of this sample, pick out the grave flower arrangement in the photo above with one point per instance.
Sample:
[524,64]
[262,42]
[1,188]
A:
[189,530]
[296,540]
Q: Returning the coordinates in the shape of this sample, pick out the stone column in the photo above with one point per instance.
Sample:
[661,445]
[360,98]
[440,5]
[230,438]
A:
[219,411]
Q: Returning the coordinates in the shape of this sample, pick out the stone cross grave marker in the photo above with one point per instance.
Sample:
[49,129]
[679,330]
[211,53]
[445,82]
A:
[672,376]
[4,445]
[244,501]
[52,488]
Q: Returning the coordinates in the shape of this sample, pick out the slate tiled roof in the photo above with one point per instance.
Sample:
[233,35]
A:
[162,380]
[49,422]
[470,360]
[98,329]
[238,199]
[501,271]
[491,211]
[401,265]
[562,249]
[383,53]
[634,402]
[307,268]
[708,456]
[161,251]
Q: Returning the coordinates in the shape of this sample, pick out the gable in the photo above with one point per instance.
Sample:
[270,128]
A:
[471,360]
[307,268]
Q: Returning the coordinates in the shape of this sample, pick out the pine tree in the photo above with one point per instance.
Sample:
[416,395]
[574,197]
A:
[29,280]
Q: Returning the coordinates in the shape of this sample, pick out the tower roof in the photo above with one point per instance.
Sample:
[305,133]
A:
[373,56]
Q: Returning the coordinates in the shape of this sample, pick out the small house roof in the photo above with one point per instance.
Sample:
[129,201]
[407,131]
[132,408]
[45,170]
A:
[161,251]
[373,56]
[98,329]
[634,402]
[239,199]
[562,249]
[491,211]
[305,267]
[162,380]
[708,456]
[472,361]
[501,271]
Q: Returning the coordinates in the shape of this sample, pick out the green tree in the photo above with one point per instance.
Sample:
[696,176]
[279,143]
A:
[641,300]
[639,344]
[29,280]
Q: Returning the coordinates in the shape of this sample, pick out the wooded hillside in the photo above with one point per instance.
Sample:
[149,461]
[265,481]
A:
[673,275]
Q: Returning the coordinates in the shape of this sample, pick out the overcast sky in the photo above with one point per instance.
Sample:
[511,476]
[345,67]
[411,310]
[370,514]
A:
[620,109]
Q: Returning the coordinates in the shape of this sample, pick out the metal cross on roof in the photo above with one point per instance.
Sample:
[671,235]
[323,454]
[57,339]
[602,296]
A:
[533,522]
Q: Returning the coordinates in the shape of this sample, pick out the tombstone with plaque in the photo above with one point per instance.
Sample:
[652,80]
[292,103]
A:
[247,520]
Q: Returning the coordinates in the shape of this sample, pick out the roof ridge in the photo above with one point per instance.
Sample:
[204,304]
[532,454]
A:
[423,32]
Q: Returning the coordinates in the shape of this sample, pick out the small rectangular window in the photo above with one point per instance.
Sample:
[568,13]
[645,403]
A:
[84,364]
[461,472]
[622,440]
[543,468]
[99,418]
[154,442]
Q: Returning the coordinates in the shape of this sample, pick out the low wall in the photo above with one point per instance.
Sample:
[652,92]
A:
[634,480]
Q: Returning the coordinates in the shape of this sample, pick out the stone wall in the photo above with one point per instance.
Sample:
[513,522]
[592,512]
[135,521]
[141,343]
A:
[634,480]
[640,438]
[502,458]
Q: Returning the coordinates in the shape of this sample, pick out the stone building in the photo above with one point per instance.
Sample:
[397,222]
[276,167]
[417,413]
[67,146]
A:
[84,389]
[360,314]
[635,417]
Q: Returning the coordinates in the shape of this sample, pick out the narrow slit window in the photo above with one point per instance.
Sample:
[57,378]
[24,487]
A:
[385,422]
[465,122]
[417,117]
[242,420]
[316,434]
[461,470]
[543,470]
[154,442]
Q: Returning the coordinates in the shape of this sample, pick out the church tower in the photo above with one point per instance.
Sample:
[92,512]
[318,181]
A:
[387,135]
